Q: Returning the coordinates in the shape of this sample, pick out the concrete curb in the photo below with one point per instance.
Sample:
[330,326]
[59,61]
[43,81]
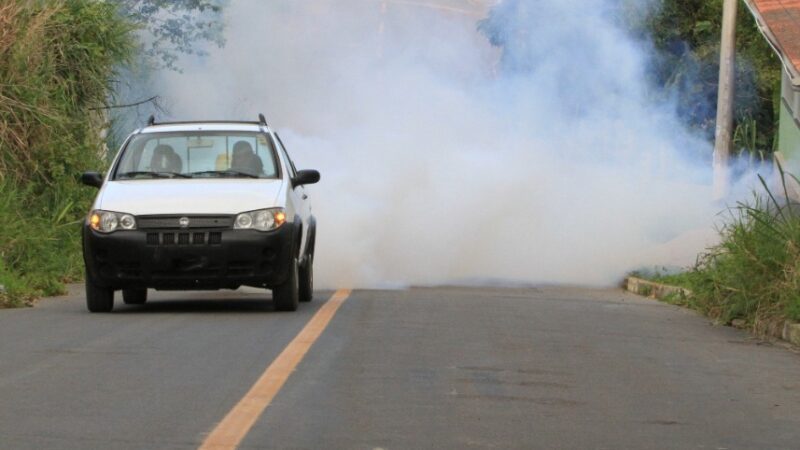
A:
[654,290]
[790,332]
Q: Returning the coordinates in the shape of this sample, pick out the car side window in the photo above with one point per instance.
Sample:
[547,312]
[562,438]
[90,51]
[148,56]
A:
[285,154]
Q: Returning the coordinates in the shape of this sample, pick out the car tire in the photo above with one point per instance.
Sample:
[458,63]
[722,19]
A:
[99,299]
[286,295]
[307,280]
[134,296]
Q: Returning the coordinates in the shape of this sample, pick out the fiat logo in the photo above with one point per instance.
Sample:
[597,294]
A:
[183,222]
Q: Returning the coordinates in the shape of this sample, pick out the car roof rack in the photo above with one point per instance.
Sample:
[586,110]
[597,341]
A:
[261,121]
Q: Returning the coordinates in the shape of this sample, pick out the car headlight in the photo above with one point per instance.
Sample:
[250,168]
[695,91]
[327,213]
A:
[108,221]
[261,220]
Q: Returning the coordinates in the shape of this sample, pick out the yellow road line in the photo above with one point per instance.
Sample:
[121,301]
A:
[234,427]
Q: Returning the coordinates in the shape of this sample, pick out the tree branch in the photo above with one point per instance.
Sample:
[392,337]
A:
[129,105]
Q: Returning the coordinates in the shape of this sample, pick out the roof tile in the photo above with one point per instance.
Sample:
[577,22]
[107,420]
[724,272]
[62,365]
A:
[782,17]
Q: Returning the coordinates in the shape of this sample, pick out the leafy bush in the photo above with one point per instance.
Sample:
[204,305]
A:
[40,248]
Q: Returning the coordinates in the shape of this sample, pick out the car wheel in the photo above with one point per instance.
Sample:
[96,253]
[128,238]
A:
[99,299]
[286,295]
[134,296]
[307,280]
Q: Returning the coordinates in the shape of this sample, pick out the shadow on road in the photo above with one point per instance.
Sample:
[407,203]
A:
[198,306]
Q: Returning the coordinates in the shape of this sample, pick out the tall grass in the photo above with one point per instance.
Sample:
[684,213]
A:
[57,61]
[754,273]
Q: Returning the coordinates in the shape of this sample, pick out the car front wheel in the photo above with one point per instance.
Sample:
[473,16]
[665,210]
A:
[307,280]
[286,295]
[99,299]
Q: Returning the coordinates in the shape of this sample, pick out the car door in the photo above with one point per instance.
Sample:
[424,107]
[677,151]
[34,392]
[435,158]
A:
[298,196]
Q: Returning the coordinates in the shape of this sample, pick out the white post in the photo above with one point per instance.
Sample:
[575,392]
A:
[727,80]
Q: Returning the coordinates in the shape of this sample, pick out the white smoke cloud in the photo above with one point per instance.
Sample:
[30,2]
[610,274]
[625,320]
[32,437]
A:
[446,160]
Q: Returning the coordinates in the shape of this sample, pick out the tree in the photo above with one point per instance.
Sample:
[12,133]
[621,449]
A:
[175,27]
[167,30]
[686,36]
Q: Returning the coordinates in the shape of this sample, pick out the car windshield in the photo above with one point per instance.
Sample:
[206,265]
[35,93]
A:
[198,154]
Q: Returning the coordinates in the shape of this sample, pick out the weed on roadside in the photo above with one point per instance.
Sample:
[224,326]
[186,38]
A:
[57,61]
[753,274]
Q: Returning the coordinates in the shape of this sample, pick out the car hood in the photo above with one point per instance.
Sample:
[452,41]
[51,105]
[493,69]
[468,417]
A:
[181,196]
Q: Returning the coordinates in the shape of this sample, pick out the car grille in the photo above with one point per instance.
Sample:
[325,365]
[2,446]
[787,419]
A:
[174,222]
[195,238]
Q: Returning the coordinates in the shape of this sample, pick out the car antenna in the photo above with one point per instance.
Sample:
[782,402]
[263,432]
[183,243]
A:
[151,121]
[262,120]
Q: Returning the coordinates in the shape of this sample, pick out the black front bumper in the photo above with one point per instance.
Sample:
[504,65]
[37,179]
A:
[188,259]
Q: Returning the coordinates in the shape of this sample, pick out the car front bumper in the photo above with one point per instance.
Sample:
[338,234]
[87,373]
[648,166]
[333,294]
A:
[188,259]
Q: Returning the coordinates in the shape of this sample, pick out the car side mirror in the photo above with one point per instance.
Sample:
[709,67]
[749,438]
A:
[305,177]
[93,179]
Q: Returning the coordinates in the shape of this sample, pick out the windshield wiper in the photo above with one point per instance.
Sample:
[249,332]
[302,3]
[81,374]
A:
[226,173]
[153,174]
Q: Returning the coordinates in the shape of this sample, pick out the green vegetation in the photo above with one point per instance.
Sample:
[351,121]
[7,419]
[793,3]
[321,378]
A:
[57,60]
[754,273]
[682,279]
[686,34]
[175,26]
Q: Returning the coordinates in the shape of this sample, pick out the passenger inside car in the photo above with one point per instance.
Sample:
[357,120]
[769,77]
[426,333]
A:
[165,160]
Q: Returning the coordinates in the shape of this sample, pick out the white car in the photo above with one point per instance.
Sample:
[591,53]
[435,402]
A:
[200,206]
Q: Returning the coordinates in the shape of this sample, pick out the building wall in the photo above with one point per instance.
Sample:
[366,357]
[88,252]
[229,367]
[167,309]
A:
[789,132]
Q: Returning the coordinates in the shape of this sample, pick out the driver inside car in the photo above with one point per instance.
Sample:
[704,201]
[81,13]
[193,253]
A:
[165,160]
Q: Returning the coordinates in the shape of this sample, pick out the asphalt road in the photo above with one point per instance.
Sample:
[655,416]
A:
[423,368]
